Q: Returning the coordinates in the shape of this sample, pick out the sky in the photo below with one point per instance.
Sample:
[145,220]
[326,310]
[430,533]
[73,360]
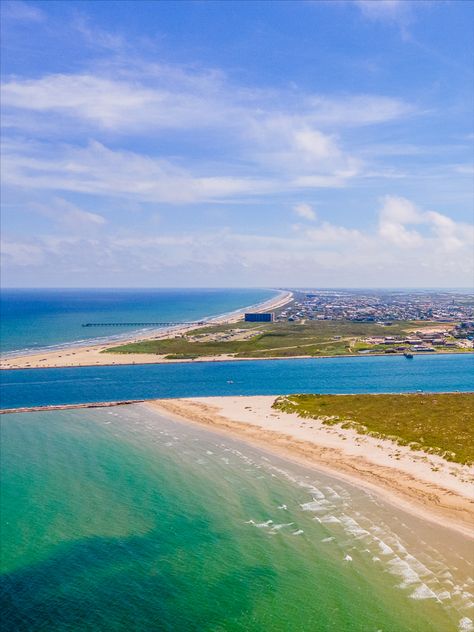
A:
[236,144]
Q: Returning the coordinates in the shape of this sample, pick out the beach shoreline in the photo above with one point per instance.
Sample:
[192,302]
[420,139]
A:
[91,354]
[424,485]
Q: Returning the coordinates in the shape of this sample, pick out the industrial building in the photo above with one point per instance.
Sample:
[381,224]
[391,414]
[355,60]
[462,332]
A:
[259,317]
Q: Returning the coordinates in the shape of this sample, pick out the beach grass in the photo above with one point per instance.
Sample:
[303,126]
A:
[280,339]
[437,423]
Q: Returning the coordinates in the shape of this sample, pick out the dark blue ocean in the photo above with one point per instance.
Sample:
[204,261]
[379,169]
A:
[379,374]
[39,318]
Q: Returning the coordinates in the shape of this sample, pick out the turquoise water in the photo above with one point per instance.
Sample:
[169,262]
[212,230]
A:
[34,319]
[38,387]
[123,520]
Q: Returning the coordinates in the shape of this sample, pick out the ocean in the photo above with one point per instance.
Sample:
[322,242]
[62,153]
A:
[120,519]
[41,318]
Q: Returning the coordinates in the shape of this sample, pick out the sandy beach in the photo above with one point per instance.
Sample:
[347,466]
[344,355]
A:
[93,354]
[423,484]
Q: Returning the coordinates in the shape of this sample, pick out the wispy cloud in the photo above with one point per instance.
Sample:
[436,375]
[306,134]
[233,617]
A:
[21,11]
[305,211]
[385,10]
[69,216]
[96,169]
[286,137]
[169,97]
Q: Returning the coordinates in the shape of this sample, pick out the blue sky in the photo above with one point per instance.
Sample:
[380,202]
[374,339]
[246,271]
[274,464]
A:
[323,144]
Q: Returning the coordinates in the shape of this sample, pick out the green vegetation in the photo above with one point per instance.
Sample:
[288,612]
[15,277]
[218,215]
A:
[281,339]
[437,423]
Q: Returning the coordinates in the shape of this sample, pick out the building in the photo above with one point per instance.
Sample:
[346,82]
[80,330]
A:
[264,317]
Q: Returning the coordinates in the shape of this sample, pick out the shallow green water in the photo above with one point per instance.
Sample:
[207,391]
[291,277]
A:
[122,520]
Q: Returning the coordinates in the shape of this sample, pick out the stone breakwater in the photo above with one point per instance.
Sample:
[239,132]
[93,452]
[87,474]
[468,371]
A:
[33,409]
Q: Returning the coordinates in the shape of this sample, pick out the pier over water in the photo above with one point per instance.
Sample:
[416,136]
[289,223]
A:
[149,324]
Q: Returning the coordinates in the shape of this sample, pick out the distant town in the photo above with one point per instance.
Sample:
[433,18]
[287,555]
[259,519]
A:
[328,323]
[452,311]
[383,306]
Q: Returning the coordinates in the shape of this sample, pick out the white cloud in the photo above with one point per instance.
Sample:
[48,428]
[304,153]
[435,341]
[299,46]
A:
[449,232]
[384,10]
[400,210]
[467,169]
[70,217]
[357,110]
[327,235]
[21,11]
[21,253]
[161,96]
[326,254]
[306,156]
[108,103]
[305,211]
[276,134]
[98,170]
[396,212]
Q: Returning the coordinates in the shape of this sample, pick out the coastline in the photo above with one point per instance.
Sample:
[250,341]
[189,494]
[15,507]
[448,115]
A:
[132,359]
[422,484]
[74,355]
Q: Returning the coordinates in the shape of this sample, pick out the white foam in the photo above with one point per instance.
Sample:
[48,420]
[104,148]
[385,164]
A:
[465,625]
[332,492]
[347,558]
[384,548]
[317,493]
[353,528]
[401,568]
[277,527]
[330,539]
[298,532]
[329,519]
[315,505]
[421,569]
[423,592]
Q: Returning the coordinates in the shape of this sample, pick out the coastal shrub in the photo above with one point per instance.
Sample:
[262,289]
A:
[440,424]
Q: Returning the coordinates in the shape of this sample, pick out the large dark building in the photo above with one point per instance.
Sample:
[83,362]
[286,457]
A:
[259,318]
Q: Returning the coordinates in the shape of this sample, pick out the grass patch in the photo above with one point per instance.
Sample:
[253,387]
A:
[311,338]
[437,423]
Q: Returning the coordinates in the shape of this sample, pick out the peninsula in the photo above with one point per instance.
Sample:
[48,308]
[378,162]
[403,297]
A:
[295,324]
